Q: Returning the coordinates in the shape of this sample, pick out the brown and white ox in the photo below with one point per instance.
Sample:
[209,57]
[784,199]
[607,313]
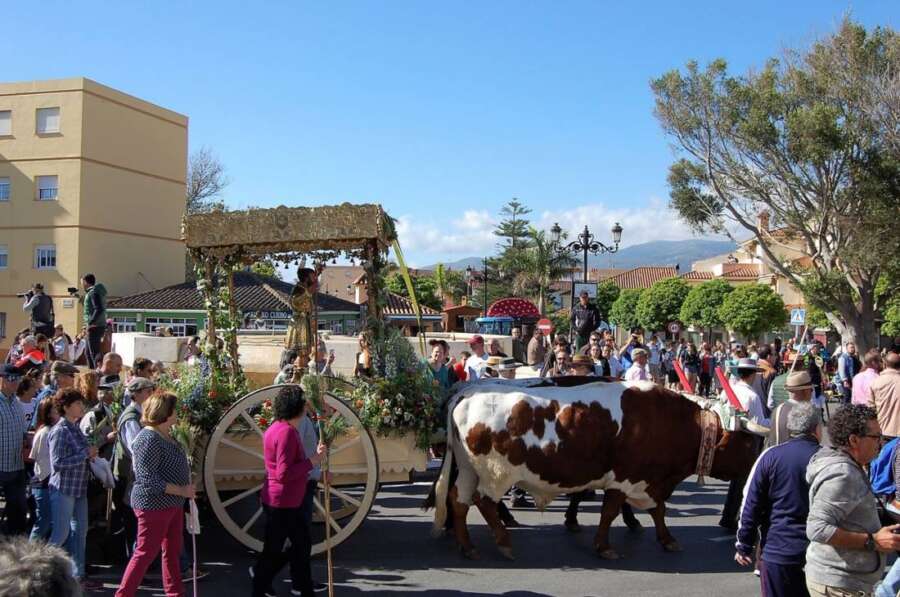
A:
[637,441]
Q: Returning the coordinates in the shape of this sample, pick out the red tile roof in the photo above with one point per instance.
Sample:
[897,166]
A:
[252,292]
[400,306]
[697,275]
[599,274]
[740,271]
[643,277]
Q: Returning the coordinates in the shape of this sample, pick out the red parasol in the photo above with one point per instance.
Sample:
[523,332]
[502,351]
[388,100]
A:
[517,308]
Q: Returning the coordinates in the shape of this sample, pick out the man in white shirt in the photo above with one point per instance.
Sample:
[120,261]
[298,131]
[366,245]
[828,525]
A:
[638,370]
[746,394]
[476,363]
[752,404]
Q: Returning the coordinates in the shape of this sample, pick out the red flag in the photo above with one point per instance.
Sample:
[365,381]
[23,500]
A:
[729,393]
[682,377]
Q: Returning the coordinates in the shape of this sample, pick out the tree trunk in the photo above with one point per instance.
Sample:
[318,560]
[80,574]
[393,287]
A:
[857,323]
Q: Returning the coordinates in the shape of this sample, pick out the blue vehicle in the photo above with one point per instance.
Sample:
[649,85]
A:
[500,326]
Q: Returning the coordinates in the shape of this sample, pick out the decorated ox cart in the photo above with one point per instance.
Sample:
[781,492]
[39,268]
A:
[385,417]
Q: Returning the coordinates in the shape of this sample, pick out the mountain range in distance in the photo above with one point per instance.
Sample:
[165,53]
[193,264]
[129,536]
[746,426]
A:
[658,252]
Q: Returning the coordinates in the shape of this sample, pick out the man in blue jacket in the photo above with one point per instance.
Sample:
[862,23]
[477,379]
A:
[776,505]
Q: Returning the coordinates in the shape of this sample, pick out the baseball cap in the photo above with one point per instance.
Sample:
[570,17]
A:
[476,339]
[63,368]
[139,383]
[10,372]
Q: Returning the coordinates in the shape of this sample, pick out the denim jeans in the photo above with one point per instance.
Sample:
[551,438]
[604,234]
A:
[891,583]
[43,520]
[70,522]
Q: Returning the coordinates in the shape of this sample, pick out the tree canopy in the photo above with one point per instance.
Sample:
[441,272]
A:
[753,309]
[701,305]
[424,287]
[607,293]
[624,309]
[205,182]
[810,139]
[661,303]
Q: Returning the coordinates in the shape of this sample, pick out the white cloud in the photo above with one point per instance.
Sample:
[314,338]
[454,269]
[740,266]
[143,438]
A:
[448,238]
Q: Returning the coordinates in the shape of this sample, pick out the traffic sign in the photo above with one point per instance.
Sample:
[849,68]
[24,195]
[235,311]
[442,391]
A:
[798,316]
[546,326]
[674,327]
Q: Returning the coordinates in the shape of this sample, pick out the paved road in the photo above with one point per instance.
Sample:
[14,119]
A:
[392,553]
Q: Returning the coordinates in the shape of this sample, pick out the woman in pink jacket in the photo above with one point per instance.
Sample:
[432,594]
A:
[287,470]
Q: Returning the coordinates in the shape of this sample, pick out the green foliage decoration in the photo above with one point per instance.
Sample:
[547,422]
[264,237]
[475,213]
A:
[752,310]
[624,309]
[661,303]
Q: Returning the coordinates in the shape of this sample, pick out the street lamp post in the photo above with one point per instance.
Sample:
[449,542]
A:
[585,244]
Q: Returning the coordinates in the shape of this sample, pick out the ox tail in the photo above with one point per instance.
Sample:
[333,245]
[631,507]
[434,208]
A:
[437,497]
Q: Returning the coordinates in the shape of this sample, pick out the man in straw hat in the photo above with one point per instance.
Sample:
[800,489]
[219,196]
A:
[751,403]
[800,390]
[582,365]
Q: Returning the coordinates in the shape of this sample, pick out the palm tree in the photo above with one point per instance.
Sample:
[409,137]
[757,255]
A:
[540,266]
[440,281]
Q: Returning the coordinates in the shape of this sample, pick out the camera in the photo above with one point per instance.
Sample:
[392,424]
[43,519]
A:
[27,294]
[72,290]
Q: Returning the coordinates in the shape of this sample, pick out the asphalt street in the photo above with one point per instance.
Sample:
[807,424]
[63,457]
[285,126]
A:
[393,553]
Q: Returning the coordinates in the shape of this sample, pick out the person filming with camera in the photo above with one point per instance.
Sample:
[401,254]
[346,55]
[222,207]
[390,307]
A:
[40,306]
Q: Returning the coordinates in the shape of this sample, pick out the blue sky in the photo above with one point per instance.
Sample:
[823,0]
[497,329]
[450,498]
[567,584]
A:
[441,112]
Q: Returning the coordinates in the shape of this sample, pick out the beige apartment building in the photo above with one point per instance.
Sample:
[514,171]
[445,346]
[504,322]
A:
[91,180]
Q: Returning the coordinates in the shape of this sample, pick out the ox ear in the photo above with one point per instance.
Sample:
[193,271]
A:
[753,427]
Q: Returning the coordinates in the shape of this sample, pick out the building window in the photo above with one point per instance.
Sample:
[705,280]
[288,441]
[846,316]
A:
[5,123]
[124,324]
[45,257]
[4,257]
[47,121]
[4,189]
[180,326]
[2,325]
[48,187]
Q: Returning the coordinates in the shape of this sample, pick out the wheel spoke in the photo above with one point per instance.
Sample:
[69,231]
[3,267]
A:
[331,521]
[345,445]
[241,495]
[252,520]
[346,497]
[251,422]
[243,449]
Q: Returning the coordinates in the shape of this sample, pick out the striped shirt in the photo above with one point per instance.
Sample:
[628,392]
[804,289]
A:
[12,435]
[157,461]
[69,468]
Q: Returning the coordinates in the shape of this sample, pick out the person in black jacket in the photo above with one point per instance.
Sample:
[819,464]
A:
[585,319]
[776,505]
[94,317]
[40,306]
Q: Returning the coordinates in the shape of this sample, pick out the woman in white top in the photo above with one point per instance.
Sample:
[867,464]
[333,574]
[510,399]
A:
[40,454]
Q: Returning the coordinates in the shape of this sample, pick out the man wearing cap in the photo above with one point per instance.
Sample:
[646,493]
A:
[799,388]
[101,414]
[638,370]
[584,319]
[476,363]
[62,377]
[129,425]
[40,306]
[776,503]
[13,478]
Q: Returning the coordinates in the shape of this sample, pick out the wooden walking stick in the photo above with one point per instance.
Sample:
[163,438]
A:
[330,563]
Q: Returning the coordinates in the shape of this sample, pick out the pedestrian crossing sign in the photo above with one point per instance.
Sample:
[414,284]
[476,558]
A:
[798,316]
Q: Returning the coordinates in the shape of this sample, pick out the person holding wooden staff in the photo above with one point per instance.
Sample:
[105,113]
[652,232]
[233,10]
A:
[287,472]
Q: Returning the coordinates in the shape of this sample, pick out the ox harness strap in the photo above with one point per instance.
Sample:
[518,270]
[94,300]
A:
[709,427]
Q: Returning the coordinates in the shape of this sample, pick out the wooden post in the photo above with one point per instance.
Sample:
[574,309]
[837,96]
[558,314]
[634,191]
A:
[209,267]
[232,313]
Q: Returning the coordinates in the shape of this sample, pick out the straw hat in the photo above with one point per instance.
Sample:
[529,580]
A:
[798,380]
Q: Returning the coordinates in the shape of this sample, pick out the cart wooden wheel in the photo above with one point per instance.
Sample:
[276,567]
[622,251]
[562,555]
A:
[233,473]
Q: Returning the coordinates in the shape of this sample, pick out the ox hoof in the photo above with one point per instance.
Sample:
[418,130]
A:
[573,526]
[438,532]
[634,526]
[506,552]
[672,547]
[471,554]
[609,554]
